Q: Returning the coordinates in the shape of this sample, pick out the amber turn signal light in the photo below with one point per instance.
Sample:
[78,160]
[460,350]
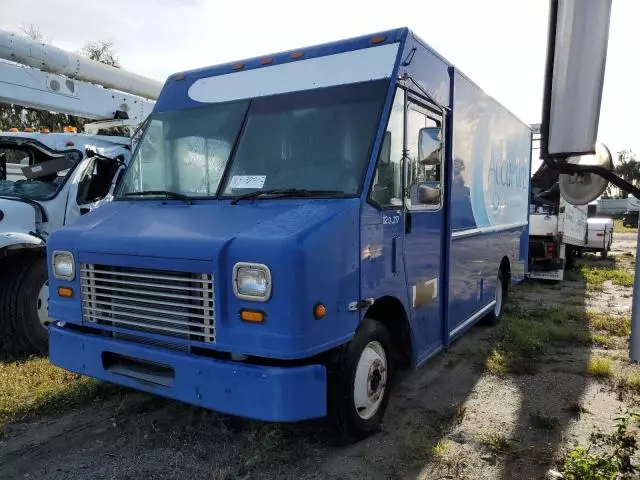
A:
[319,311]
[252,316]
[65,292]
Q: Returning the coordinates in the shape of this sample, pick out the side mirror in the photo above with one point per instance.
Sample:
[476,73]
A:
[430,145]
[428,195]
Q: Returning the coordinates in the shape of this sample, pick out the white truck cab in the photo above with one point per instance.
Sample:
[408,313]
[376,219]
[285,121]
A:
[46,181]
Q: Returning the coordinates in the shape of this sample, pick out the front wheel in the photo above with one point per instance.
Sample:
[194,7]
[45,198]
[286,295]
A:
[32,302]
[360,381]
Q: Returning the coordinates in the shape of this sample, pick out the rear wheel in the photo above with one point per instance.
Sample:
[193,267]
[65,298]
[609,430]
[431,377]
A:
[360,381]
[502,290]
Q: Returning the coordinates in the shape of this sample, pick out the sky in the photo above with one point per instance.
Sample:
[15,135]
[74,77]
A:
[499,44]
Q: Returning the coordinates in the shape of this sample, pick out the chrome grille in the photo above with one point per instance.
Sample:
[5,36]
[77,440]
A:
[173,304]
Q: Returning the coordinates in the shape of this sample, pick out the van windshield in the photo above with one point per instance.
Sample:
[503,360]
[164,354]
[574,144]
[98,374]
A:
[314,140]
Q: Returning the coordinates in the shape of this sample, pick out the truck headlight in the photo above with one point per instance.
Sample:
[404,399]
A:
[63,265]
[252,281]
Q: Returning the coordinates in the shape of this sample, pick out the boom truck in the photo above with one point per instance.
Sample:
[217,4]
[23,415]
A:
[295,230]
[558,230]
[48,180]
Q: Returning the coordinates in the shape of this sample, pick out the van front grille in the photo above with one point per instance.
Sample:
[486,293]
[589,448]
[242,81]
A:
[173,304]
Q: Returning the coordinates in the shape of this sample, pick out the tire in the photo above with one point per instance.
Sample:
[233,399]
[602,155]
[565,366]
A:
[361,375]
[604,253]
[502,292]
[31,301]
[8,267]
[570,260]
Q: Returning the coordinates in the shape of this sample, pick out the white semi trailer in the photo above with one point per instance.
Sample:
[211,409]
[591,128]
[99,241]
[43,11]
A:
[48,180]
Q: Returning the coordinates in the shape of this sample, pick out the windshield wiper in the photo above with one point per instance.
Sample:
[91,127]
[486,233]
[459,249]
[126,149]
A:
[166,193]
[285,192]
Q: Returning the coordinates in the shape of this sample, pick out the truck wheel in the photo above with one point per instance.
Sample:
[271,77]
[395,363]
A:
[570,259]
[8,268]
[32,302]
[360,381]
[502,291]
[604,253]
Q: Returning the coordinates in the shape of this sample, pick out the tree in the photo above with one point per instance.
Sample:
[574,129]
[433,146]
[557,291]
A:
[101,51]
[628,168]
[22,117]
[33,32]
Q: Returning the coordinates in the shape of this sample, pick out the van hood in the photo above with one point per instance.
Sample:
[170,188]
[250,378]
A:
[194,232]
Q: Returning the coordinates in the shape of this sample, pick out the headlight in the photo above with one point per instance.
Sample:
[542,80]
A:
[63,265]
[252,281]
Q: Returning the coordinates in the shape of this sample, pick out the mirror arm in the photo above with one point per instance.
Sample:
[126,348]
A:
[570,168]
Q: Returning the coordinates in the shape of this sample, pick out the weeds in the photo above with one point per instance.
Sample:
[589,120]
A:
[596,275]
[543,421]
[630,382]
[602,340]
[496,363]
[497,444]
[35,386]
[612,459]
[600,367]
[441,448]
[618,325]
[525,335]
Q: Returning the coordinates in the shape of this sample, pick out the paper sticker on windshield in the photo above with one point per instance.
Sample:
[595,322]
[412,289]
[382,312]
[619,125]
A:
[247,181]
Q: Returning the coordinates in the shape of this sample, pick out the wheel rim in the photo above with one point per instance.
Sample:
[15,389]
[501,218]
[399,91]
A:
[42,304]
[370,381]
[498,307]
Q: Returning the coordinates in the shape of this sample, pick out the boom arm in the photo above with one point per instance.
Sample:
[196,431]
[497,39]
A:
[33,88]
[44,77]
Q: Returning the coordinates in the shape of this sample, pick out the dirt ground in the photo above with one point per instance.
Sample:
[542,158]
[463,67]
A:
[450,419]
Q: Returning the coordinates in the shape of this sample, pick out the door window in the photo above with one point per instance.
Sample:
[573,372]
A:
[387,182]
[424,160]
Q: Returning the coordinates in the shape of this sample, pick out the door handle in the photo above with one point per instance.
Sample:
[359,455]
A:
[407,222]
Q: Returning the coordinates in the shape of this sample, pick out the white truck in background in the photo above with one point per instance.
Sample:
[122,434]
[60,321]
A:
[599,235]
[48,180]
[557,229]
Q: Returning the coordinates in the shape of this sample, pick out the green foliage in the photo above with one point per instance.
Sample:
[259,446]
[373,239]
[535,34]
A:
[613,459]
[597,275]
[600,367]
[497,444]
[525,335]
[34,386]
[628,168]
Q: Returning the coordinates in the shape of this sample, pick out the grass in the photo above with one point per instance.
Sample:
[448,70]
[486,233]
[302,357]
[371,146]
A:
[618,227]
[525,335]
[602,340]
[600,367]
[497,444]
[631,382]
[34,386]
[618,325]
[596,275]
[543,421]
[441,448]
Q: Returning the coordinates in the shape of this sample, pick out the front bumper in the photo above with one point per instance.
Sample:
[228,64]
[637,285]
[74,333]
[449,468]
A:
[281,394]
